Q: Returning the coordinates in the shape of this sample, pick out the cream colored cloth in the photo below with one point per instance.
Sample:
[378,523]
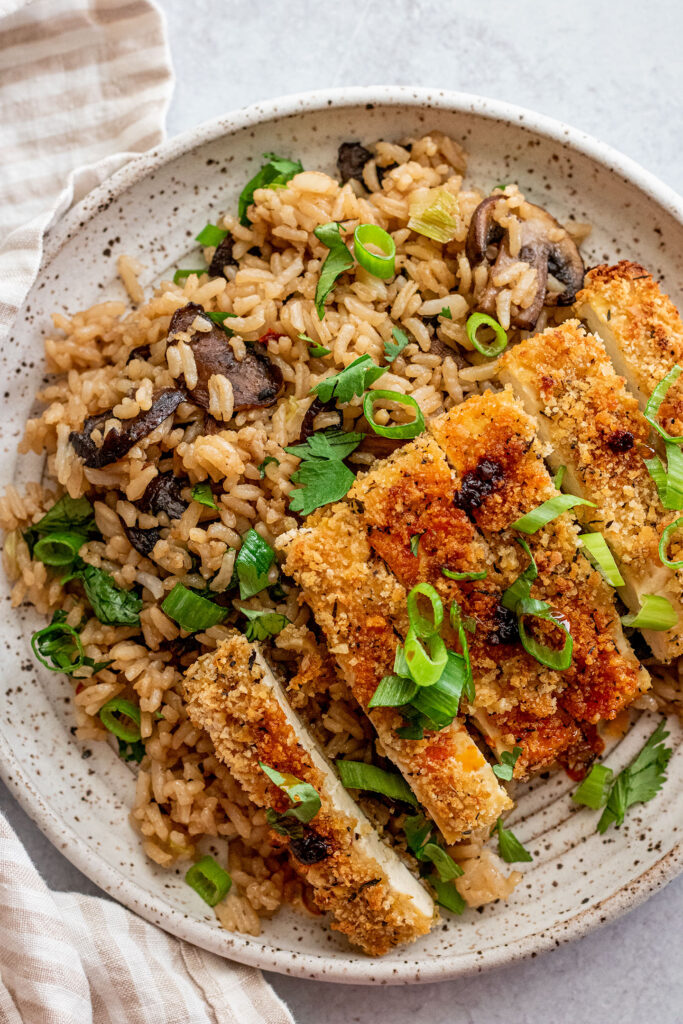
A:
[84,85]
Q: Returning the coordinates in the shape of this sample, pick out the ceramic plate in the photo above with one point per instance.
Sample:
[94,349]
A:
[80,797]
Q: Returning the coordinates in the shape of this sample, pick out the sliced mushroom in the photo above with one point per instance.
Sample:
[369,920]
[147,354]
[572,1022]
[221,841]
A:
[162,494]
[351,159]
[545,245]
[142,540]
[255,380]
[117,443]
[222,257]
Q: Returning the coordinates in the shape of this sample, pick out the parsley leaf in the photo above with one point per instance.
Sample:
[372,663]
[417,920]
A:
[316,350]
[111,605]
[337,261]
[509,846]
[131,751]
[204,495]
[322,474]
[391,351]
[640,781]
[276,172]
[507,764]
[266,462]
[446,313]
[263,622]
[355,379]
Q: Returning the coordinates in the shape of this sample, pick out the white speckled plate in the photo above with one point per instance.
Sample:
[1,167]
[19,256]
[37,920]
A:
[80,797]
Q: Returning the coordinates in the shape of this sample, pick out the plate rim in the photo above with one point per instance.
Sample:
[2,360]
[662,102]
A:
[352,968]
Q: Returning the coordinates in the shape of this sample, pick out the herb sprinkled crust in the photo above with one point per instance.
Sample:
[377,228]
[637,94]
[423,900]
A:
[641,329]
[597,431]
[604,675]
[361,609]
[229,695]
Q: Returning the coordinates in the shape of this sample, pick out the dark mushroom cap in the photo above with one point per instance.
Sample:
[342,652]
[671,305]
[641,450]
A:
[118,443]
[222,257]
[256,381]
[545,245]
[351,159]
[162,494]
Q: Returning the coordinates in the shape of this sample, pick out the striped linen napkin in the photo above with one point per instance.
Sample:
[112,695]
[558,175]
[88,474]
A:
[84,85]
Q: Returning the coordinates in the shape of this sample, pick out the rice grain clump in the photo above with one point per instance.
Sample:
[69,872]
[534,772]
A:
[192,499]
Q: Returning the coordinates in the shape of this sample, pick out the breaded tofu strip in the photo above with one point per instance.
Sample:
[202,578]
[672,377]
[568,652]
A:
[641,329]
[361,609]
[411,493]
[374,899]
[583,410]
[491,442]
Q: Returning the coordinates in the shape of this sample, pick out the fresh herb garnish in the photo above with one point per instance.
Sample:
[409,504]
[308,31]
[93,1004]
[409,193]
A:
[192,611]
[509,846]
[600,555]
[446,313]
[559,477]
[315,349]
[267,462]
[401,430]
[382,264]
[276,172]
[640,781]
[180,275]
[391,350]
[656,399]
[252,564]
[322,475]
[669,479]
[111,604]
[211,235]
[359,775]
[263,623]
[418,831]
[209,880]
[415,542]
[304,799]
[655,613]
[477,320]
[336,262]
[68,515]
[131,751]
[508,760]
[549,510]
[594,789]
[220,318]
[122,718]
[517,598]
[353,380]
[451,575]
[204,495]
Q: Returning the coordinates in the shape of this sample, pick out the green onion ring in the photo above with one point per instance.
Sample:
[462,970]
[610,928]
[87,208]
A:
[66,630]
[656,399]
[192,611]
[383,266]
[423,626]
[477,320]
[594,790]
[209,880]
[664,543]
[548,656]
[58,548]
[425,668]
[403,430]
[547,511]
[121,706]
[600,555]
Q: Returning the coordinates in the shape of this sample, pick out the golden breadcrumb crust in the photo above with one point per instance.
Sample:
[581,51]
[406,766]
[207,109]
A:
[493,428]
[598,432]
[226,696]
[361,609]
[641,328]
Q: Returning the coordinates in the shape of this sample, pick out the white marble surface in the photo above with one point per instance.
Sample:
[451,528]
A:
[613,70]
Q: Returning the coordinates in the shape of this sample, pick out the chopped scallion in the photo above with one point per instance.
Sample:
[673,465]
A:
[415,543]
[192,611]
[60,643]
[425,667]
[109,717]
[211,235]
[549,510]
[450,575]
[559,477]
[655,613]
[392,692]
[477,320]
[601,556]
[209,880]
[402,430]
[59,549]
[180,275]
[382,264]
[424,627]
[655,400]
[434,214]
[359,775]
[594,789]
[664,544]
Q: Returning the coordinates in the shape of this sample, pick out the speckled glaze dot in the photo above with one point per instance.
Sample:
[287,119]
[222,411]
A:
[80,794]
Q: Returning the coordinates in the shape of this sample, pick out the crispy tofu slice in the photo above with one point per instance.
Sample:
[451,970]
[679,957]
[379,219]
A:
[641,329]
[596,430]
[361,609]
[411,494]
[373,897]
[491,442]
